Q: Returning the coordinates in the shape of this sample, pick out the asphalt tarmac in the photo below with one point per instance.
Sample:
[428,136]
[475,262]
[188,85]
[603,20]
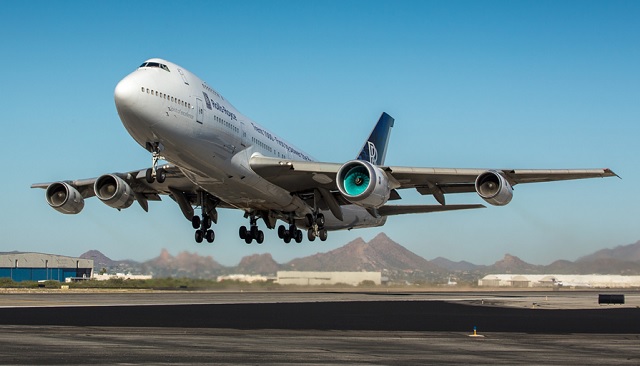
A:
[316,328]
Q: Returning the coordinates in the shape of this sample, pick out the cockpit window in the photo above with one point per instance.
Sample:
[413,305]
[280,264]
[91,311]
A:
[155,64]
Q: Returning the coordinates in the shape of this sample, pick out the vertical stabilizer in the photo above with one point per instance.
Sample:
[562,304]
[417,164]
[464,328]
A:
[375,148]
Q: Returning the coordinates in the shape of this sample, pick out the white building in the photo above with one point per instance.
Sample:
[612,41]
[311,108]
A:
[327,278]
[551,280]
[128,276]
[243,278]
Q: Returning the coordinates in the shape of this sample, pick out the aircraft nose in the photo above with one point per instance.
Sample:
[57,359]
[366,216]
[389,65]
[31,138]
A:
[124,94]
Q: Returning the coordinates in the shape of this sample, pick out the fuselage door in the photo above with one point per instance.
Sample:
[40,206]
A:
[243,135]
[200,111]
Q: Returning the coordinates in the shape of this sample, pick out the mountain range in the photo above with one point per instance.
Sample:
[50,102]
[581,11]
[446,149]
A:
[379,254]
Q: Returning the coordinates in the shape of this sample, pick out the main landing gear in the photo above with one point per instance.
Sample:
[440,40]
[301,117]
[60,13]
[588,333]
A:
[316,227]
[154,173]
[292,233]
[203,228]
[253,232]
[202,224]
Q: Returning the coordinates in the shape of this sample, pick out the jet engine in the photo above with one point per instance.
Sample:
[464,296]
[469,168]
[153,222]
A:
[494,188]
[64,198]
[114,191]
[363,184]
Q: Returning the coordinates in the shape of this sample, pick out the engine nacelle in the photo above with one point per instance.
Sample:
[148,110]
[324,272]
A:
[114,191]
[64,198]
[363,184]
[494,188]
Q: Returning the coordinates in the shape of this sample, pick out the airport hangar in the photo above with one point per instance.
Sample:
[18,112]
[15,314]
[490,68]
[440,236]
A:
[21,266]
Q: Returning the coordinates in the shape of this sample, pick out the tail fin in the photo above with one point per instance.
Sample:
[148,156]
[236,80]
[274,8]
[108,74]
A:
[375,148]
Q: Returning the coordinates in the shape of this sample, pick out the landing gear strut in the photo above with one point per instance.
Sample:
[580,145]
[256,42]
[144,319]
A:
[154,173]
[253,232]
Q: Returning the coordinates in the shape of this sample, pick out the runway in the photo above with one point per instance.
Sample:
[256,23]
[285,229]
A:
[316,327]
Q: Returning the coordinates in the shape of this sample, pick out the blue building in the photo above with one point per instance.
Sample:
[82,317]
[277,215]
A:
[36,267]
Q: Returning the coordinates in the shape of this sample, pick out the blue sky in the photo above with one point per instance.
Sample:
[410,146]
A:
[491,84]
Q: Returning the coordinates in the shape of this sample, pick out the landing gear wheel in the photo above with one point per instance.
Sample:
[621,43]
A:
[311,235]
[199,236]
[248,239]
[298,236]
[161,175]
[195,222]
[309,219]
[149,176]
[323,234]
[260,237]
[210,236]
[281,231]
[286,237]
[254,231]
[206,222]
[320,220]
[243,232]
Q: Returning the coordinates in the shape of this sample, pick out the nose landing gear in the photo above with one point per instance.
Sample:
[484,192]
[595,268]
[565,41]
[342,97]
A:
[154,173]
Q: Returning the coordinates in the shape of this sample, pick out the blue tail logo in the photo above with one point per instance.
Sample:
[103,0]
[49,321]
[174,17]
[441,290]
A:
[375,148]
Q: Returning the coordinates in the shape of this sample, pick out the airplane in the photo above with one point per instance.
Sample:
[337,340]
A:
[215,157]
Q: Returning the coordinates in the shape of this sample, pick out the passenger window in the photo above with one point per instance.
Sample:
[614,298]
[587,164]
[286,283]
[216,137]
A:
[143,89]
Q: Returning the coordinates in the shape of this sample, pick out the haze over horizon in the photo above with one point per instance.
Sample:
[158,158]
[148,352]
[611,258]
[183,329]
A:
[496,84]
[163,251]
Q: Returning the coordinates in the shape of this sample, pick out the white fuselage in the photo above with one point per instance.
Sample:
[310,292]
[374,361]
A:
[211,142]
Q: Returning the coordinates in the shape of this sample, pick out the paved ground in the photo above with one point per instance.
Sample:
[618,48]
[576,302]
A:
[316,328]
[186,346]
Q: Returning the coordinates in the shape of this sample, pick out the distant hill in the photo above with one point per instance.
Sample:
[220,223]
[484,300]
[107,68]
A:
[452,266]
[379,254]
[513,264]
[185,264]
[626,253]
[258,264]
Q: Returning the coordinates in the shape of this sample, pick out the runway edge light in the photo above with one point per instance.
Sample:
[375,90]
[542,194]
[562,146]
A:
[475,333]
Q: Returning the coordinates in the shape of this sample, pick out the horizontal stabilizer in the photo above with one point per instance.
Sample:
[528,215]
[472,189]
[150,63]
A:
[390,210]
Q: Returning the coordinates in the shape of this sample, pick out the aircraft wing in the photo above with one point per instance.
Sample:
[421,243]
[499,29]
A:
[177,185]
[304,176]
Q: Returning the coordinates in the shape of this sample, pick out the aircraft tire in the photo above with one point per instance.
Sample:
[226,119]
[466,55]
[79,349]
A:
[323,234]
[195,222]
[298,236]
[320,220]
[210,236]
[149,176]
[260,237]
[281,231]
[206,222]
[311,235]
[243,232]
[309,220]
[199,236]
[161,175]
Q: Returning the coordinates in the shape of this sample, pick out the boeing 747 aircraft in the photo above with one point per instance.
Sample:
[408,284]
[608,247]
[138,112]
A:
[218,158]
